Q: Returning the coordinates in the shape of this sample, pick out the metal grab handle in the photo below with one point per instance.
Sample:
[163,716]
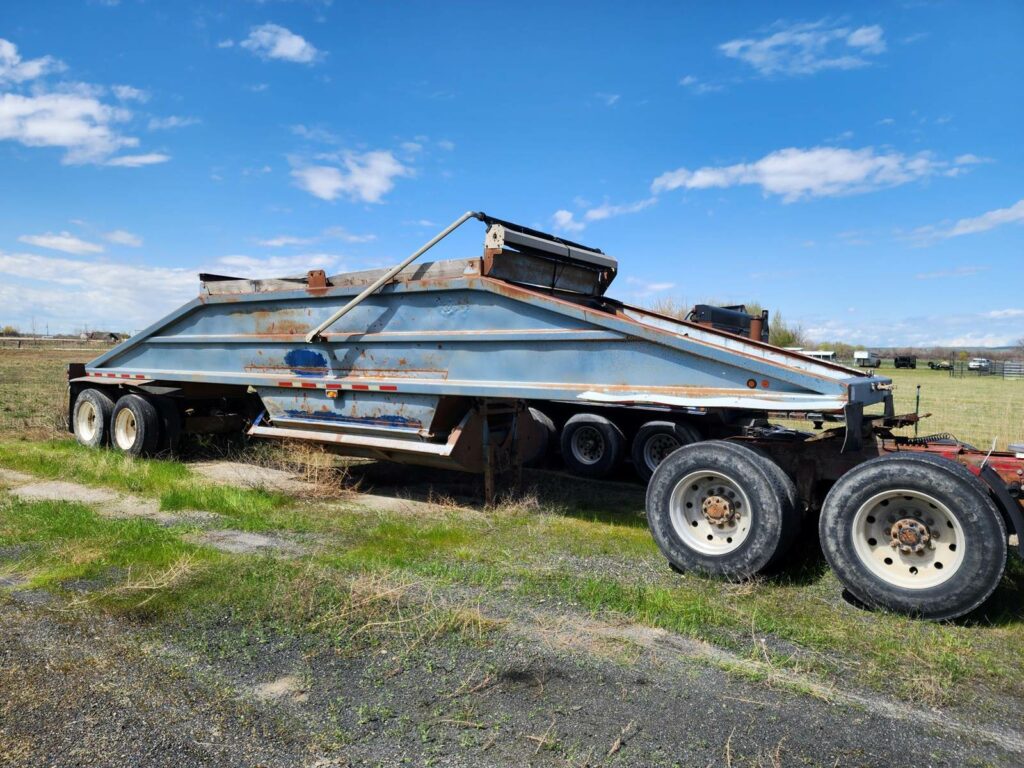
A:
[387,276]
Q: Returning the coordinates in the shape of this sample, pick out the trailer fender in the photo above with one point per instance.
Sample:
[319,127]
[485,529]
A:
[1008,505]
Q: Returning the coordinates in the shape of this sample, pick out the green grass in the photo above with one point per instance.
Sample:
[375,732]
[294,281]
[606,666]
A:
[373,565]
[252,509]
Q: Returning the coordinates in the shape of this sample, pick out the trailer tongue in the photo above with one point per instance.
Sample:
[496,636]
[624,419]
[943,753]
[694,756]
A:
[480,363]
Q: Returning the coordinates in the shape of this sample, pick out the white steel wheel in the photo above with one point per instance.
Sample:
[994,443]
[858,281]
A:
[908,538]
[87,421]
[90,418]
[135,425]
[126,429]
[914,533]
[710,512]
[716,507]
[588,445]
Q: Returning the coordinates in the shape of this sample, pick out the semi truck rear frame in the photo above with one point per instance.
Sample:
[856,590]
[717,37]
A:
[484,363]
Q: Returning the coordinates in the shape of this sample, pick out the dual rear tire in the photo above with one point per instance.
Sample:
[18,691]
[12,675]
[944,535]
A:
[722,508]
[593,446]
[135,424]
[910,533]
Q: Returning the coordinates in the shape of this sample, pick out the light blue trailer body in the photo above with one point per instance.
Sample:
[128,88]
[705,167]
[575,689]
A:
[462,329]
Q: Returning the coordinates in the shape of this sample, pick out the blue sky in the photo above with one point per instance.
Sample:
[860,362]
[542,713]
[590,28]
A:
[859,168]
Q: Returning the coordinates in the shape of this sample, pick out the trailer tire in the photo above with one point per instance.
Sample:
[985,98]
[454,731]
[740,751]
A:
[955,535]
[705,483]
[592,446]
[91,418]
[655,440]
[135,426]
[540,458]
[791,517]
[170,424]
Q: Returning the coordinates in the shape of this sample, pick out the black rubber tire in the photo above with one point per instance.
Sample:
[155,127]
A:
[147,425]
[170,424]
[683,433]
[613,440]
[543,455]
[750,471]
[104,406]
[791,509]
[962,493]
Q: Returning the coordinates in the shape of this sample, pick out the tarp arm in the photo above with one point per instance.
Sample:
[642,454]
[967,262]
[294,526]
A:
[389,275]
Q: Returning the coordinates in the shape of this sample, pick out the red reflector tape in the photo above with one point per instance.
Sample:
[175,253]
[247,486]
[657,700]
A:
[308,385]
[334,386]
[388,388]
[360,386]
[284,383]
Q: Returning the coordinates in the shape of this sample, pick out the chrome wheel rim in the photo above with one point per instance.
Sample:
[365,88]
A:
[691,523]
[125,429]
[588,445]
[931,549]
[658,447]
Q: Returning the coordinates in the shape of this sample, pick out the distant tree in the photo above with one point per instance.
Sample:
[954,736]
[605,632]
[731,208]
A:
[785,335]
[9,330]
[1020,346]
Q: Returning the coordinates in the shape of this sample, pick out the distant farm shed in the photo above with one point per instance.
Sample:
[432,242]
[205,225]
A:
[109,336]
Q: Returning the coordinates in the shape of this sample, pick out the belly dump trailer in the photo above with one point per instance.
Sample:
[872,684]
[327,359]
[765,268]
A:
[478,363]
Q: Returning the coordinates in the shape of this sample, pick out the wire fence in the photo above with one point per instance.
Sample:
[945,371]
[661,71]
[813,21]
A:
[1004,369]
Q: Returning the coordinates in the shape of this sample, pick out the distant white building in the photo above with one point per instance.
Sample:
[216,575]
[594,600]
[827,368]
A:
[817,354]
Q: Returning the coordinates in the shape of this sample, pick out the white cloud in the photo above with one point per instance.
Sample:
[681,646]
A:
[365,177]
[607,210]
[1003,313]
[643,289]
[123,237]
[697,85]
[608,99]
[71,293]
[14,69]
[446,145]
[806,48]
[340,233]
[172,121]
[956,272]
[816,172]
[565,221]
[970,159]
[82,126]
[226,44]
[63,241]
[285,240]
[277,266]
[137,161]
[129,93]
[930,234]
[272,41]
[69,116]
[331,233]
[989,220]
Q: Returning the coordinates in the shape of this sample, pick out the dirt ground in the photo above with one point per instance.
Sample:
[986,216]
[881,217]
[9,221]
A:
[552,686]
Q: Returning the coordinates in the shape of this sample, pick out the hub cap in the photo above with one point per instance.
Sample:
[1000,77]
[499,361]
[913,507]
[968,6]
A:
[87,421]
[125,429]
[908,539]
[658,447]
[587,445]
[710,512]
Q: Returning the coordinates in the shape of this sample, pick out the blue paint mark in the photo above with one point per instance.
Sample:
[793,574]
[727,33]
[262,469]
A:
[306,362]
